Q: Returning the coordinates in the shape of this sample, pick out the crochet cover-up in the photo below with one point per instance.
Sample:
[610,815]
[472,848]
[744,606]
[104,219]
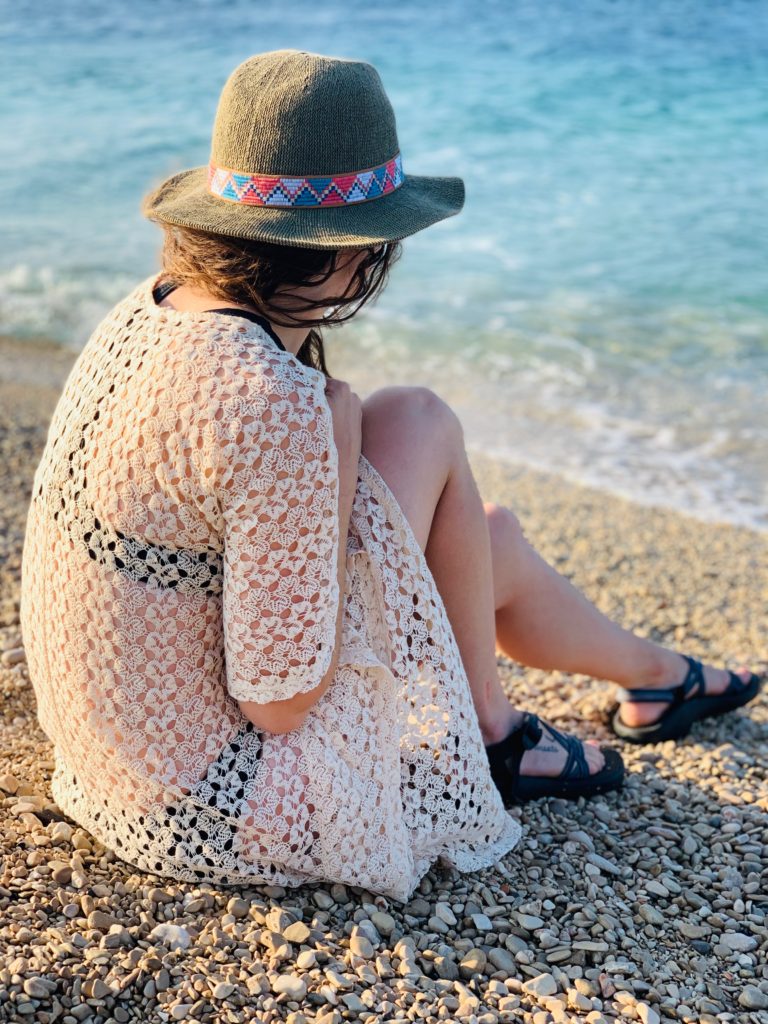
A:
[180,555]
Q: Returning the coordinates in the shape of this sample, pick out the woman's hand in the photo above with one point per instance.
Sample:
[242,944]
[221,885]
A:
[347,412]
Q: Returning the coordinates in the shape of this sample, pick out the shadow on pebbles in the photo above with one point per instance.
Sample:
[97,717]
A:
[648,905]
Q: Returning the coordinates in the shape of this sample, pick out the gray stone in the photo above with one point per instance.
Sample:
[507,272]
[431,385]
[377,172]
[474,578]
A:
[277,920]
[446,968]
[97,988]
[515,944]
[361,946]
[237,907]
[291,985]
[647,1014]
[338,980]
[418,908]
[752,998]
[61,872]
[559,955]
[739,943]
[297,932]
[606,866]
[502,960]
[467,998]
[473,963]
[39,988]
[446,915]
[173,936]
[530,922]
[222,990]
[369,930]
[353,1002]
[578,1001]
[700,946]
[14,656]
[581,837]
[651,915]
[100,921]
[541,985]
[384,923]
[657,889]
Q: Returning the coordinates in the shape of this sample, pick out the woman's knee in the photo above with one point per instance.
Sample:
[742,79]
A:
[412,437]
[417,411]
[507,544]
[503,526]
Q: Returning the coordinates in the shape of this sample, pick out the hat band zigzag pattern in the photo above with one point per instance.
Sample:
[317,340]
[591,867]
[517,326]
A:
[309,191]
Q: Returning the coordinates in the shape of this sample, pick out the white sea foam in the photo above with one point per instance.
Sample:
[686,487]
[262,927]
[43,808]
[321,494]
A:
[663,446]
[39,301]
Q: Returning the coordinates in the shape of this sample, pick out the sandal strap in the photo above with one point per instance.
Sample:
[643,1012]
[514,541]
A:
[576,763]
[512,747]
[509,753]
[694,680]
[644,696]
[736,684]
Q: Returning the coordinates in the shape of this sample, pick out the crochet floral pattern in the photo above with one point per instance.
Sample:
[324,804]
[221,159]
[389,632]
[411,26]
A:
[181,556]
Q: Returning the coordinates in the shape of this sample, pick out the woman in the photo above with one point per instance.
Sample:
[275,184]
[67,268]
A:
[261,616]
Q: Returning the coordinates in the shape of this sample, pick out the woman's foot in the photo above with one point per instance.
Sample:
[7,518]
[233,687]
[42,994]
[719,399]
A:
[548,758]
[535,760]
[670,671]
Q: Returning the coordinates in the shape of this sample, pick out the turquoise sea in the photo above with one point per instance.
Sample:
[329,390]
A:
[599,308]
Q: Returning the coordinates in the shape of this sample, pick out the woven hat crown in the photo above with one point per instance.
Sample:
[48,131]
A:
[304,152]
[290,112]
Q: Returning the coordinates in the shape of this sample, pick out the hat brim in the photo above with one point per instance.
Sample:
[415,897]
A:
[184,199]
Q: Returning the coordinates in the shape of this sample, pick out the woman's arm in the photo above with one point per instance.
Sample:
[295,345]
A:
[281,716]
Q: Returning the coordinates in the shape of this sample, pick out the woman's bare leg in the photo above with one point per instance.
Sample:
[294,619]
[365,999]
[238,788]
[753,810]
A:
[544,621]
[415,441]
[541,619]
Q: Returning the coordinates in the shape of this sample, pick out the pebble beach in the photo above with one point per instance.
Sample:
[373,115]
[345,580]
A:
[650,905]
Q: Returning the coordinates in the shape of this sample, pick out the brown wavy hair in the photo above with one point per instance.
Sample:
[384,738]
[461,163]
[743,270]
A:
[257,274]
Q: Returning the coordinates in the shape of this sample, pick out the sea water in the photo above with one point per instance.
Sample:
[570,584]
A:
[598,308]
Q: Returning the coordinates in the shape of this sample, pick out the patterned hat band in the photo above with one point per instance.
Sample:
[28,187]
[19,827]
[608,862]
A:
[310,191]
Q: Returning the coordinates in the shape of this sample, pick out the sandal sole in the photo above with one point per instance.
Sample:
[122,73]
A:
[675,725]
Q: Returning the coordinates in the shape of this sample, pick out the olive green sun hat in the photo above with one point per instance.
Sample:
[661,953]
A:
[305,152]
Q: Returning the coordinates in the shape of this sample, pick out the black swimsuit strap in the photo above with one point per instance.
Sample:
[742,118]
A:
[165,289]
[256,318]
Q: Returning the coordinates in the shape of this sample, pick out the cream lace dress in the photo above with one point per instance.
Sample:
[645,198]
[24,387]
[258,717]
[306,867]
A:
[180,554]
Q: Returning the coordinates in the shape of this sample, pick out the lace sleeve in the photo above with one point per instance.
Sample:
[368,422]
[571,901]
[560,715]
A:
[279,502]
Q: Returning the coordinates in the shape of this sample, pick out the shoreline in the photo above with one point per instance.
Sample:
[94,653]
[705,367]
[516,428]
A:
[648,904]
[40,361]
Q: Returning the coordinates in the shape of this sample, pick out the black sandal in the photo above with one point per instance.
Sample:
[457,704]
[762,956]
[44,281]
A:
[683,710]
[573,781]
